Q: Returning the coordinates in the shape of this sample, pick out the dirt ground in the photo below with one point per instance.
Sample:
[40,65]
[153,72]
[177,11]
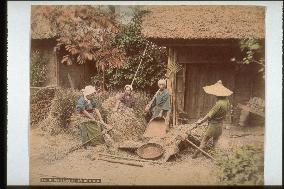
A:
[47,159]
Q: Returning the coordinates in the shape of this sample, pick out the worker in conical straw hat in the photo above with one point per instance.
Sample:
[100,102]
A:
[86,106]
[216,115]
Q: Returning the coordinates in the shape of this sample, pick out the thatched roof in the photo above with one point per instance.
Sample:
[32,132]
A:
[204,22]
[41,27]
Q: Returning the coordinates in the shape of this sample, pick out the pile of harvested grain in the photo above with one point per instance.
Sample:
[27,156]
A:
[141,101]
[127,125]
[109,103]
[40,105]
[62,107]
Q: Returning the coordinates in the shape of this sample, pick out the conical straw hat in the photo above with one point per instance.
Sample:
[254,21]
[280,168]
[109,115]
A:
[217,89]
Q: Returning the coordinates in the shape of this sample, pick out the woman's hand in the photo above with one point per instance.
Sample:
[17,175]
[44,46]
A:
[160,114]
[94,120]
[198,122]
[202,120]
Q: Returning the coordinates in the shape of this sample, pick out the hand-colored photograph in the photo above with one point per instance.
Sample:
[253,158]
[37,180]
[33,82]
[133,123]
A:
[147,95]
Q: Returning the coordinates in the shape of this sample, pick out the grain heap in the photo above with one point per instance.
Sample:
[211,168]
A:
[40,104]
[61,109]
[127,125]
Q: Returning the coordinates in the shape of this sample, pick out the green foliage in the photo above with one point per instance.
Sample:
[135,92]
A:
[241,166]
[84,33]
[131,41]
[252,52]
[38,69]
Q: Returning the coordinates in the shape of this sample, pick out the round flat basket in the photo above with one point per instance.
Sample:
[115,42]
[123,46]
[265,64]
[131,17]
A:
[150,151]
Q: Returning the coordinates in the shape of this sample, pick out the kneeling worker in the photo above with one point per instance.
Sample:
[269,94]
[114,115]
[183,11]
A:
[86,106]
[126,98]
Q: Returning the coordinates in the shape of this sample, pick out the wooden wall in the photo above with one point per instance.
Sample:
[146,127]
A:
[205,65]
[58,72]
[197,102]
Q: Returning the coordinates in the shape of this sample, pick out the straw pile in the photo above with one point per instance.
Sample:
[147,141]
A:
[61,109]
[40,105]
[127,125]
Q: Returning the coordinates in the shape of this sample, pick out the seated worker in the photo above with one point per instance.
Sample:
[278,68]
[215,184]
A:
[160,105]
[216,115]
[86,106]
[126,98]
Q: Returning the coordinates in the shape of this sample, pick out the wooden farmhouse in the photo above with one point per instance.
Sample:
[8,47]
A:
[205,41]
[43,39]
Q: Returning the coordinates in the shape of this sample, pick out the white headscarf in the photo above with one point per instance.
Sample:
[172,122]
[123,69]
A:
[88,91]
[162,81]
[130,86]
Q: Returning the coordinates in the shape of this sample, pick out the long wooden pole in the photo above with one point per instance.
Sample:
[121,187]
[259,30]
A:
[139,66]
[128,158]
[205,153]
[72,149]
[120,161]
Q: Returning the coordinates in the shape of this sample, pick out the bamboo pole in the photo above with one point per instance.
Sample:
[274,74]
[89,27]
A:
[128,158]
[72,149]
[49,86]
[205,153]
[139,65]
[133,163]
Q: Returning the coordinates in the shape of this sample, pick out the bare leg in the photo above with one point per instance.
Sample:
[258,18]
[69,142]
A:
[215,140]
[202,146]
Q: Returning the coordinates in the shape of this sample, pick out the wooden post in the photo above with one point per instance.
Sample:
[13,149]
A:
[171,84]
[174,88]
[56,68]
[70,81]
[174,101]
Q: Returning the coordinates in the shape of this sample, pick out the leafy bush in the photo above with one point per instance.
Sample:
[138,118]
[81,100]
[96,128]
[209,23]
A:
[241,166]
[133,43]
[38,69]
[252,52]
